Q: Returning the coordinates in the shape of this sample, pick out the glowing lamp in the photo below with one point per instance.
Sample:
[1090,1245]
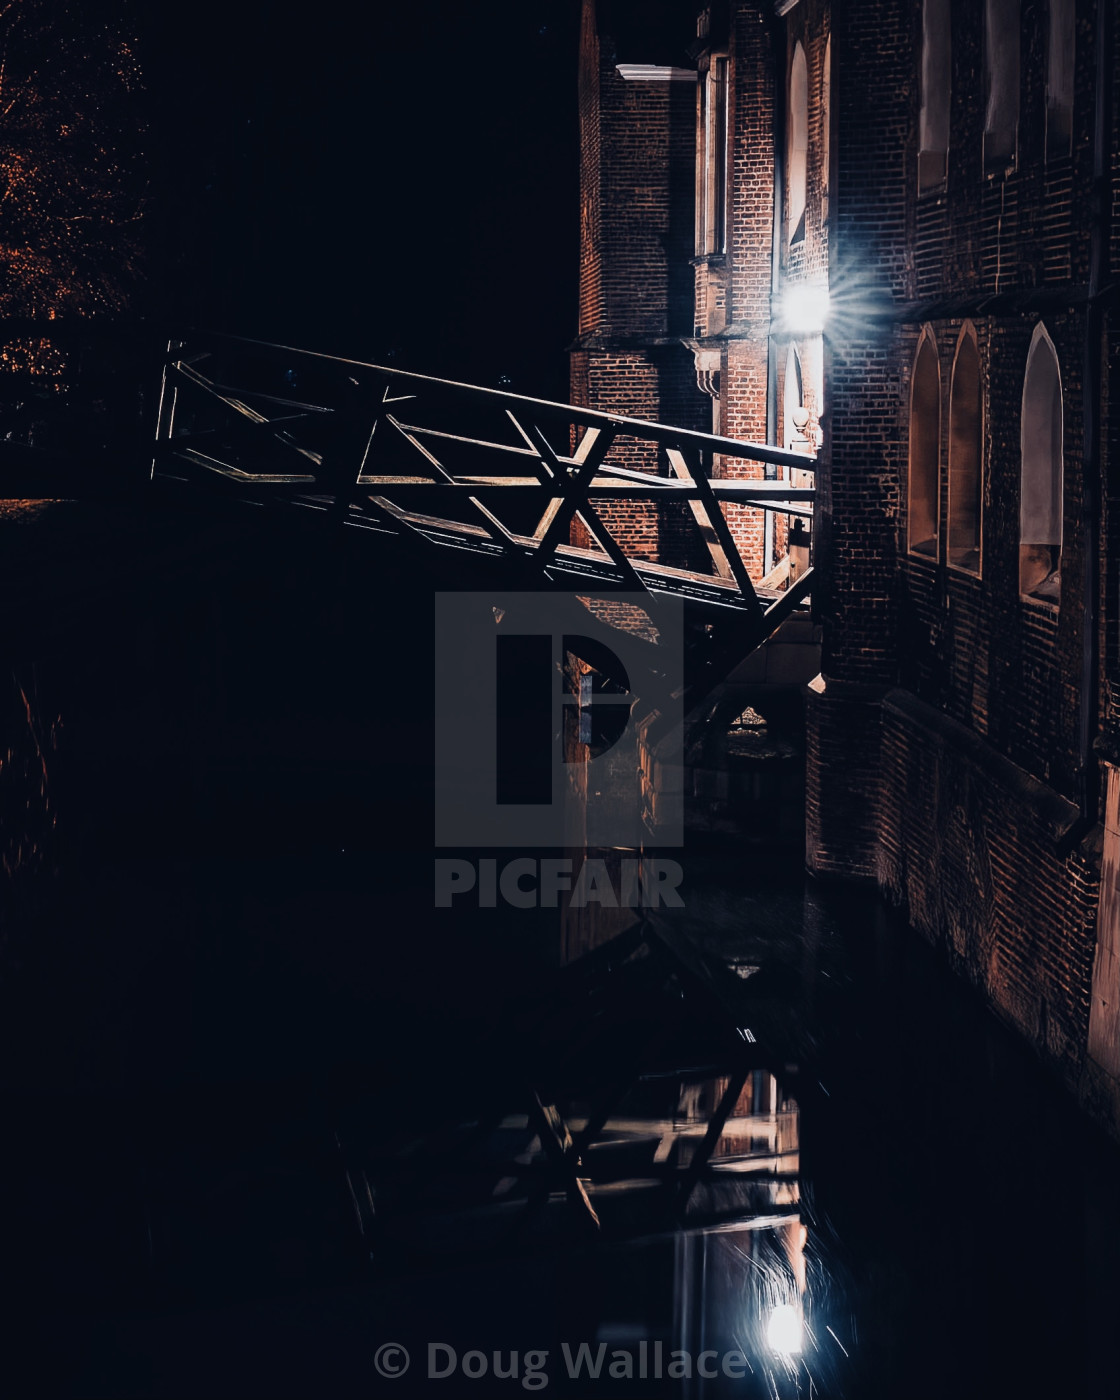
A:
[804,309]
[783,1330]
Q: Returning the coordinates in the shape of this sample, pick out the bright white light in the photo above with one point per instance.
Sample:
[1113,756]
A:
[783,1330]
[805,309]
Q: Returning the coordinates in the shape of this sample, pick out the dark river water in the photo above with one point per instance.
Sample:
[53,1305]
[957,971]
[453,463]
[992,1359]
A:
[275,1125]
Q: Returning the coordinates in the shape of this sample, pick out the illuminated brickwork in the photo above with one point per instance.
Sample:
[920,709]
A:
[933,165]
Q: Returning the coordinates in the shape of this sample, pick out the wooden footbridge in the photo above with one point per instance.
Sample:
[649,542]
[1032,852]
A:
[509,480]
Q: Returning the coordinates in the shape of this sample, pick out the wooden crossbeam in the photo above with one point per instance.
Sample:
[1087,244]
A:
[561,1153]
[711,1137]
[576,484]
[720,561]
[530,474]
[249,419]
[232,473]
[366,375]
[720,542]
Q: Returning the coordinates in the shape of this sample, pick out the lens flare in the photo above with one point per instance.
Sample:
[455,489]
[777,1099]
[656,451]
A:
[804,309]
[783,1330]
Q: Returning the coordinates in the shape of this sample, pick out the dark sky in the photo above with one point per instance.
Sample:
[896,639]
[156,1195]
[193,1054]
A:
[372,179]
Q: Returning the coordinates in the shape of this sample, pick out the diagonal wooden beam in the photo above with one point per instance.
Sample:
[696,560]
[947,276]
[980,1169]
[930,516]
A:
[418,430]
[723,538]
[561,1152]
[409,437]
[597,528]
[552,469]
[575,482]
[718,1122]
[401,519]
[720,561]
[251,421]
[494,527]
[782,606]
[213,464]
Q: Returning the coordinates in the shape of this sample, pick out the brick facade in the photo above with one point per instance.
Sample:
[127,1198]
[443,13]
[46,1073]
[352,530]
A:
[987,795]
[637,154]
[961,729]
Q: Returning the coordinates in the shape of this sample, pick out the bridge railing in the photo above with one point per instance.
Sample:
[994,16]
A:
[562,493]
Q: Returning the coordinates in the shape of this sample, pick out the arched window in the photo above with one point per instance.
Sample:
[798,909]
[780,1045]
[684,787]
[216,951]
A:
[1040,534]
[925,449]
[711,156]
[1001,51]
[1059,79]
[965,455]
[798,143]
[793,399]
[826,127]
[933,120]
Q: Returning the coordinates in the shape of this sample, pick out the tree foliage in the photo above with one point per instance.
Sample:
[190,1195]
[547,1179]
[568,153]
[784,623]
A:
[72,179]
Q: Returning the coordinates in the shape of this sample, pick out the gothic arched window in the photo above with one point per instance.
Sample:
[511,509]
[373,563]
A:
[965,454]
[798,143]
[933,119]
[1042,442]
[925,449]
[1001,53]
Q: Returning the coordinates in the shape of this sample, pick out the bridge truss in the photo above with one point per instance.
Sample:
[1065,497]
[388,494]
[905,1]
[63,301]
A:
[540,489]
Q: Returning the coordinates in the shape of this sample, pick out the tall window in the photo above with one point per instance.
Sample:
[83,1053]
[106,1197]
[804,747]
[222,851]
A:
[965,455]
[793,398]
[925,449]
[1040,535]
[798,143]
[1059,79]
[1001,51]
[826,125]
[933,119]
[711,176]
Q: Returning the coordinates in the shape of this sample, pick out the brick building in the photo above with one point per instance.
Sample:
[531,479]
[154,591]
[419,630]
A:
[900,246]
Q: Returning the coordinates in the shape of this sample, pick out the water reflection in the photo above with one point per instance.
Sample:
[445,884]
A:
[28,820]
[265,1115]
[623,1123]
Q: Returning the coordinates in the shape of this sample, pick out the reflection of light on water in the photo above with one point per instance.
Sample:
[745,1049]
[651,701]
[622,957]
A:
[25,510]
[26,810]
[783,1330]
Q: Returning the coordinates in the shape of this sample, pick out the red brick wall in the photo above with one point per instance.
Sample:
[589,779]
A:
[1004,666]
[591,296]
[969,783]
[637,178]
[974,848]
[945,753]
[858,470]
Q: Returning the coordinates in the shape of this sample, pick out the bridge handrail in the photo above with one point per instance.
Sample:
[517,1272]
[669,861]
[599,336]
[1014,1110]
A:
[656,432]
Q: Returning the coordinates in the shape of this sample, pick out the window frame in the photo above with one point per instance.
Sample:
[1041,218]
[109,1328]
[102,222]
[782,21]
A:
[1029,437]
[935,91]
[797,125]
[1002,83]
[967,336]
[926,347]
[713,113]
